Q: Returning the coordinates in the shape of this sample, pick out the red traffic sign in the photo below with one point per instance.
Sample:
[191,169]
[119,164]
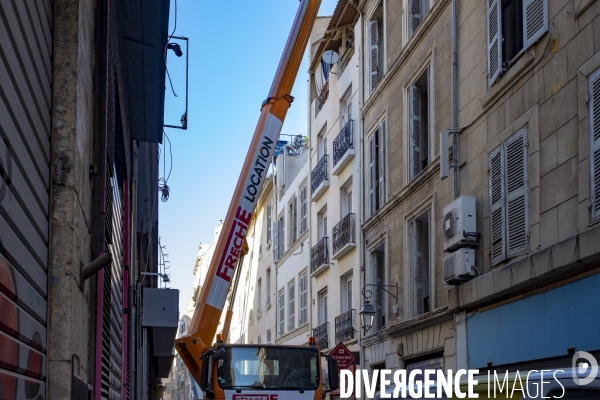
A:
[342,355]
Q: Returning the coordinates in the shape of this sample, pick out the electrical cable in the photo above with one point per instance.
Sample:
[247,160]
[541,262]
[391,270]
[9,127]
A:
[163,188]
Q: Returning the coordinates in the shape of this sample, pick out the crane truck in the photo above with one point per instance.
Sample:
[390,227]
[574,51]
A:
[265,372]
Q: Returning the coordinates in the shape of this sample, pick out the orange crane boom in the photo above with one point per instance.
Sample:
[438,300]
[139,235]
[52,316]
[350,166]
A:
[235,228]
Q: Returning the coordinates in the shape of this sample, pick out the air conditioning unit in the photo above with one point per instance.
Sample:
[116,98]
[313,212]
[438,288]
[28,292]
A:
[459,224]
[459,266]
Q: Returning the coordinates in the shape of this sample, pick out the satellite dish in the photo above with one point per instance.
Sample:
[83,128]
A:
[330,57]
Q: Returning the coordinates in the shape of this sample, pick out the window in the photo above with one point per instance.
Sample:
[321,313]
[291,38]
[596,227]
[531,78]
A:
[378,277]
[303,209]
[269,223]
[513,26]
[303,299]
[278,236]
[419,264]
[377,169]
[419,124]
[375,49]
[259,296]
[268,336]
[322,307]
[293,218]
[509,198]
[292,306]
[268,279]
[346,285]
[281,312]
[346,197]
[417,9]
[259,341]
[322,221]
[594,129]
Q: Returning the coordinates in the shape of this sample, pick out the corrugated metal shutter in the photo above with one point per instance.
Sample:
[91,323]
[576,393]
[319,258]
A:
[25,105]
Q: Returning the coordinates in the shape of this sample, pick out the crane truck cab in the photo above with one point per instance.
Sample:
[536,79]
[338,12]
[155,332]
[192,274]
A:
[558,383]
[266,372]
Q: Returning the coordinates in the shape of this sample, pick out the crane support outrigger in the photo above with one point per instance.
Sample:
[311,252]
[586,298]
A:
[224,371]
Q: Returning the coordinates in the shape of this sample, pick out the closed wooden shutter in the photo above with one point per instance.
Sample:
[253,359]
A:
[415,130]
[418,265]
[494,40]
[373,31]
[594,134]
[295,219]
[372,177]
[379,279]
[269,223]
[303,209]
[535,20]
[416,13]
[381,163]
[281,234]
[292,306]
[517,226]
[496,166]
[275,241]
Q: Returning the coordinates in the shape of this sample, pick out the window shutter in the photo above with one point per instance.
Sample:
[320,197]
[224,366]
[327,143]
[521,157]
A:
[372,178]
[374,53]
[418,259]
[517,226]
[594,129]
[535,21]
[295,222]
[292,307]
[416,15]
[303,210]
[381,163]
[494,40]
[379,280]
[281,234]
[268,223]
[496,165]
[415,130]
[275,241]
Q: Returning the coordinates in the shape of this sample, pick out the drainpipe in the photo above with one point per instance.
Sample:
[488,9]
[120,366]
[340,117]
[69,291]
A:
[455,98]
[133,272]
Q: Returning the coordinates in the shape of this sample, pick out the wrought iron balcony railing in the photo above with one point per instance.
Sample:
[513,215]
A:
[319,255]
[344,327]
[343,233]
[321,334]
[319,173]
[343,142]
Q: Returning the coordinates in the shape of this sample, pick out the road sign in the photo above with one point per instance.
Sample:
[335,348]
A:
[342,355]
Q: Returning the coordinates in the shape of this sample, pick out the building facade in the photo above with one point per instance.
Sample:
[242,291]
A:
[79,146]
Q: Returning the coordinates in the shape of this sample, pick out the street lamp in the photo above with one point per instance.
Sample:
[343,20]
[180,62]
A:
[367,311]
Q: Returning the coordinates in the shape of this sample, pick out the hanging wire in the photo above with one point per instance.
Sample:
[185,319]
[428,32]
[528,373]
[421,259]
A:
[163,188]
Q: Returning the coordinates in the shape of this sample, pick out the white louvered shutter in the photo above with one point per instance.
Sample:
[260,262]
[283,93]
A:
[378,292]
[292,307]
[372,178]
[275,241]
[535,21]
[494,40]
[373,53]
[415,130]
[281,234]
[303,209]
[517,221]
[418,259]
[381,163]
[295,221]
[416,15]
[594,129]
[269,223]
[497,243]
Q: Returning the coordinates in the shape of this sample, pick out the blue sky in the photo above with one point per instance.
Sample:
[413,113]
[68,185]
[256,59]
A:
[235,48]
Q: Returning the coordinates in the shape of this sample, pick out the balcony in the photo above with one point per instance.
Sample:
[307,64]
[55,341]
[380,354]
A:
[319,257]
[343,236]
[319,179]
[343,148]
[321,334]
[344,327]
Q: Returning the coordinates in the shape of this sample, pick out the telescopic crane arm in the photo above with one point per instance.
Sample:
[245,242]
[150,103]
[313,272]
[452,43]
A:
[260,153]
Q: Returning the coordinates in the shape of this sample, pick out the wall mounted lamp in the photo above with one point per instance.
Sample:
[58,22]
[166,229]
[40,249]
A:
[367,311]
